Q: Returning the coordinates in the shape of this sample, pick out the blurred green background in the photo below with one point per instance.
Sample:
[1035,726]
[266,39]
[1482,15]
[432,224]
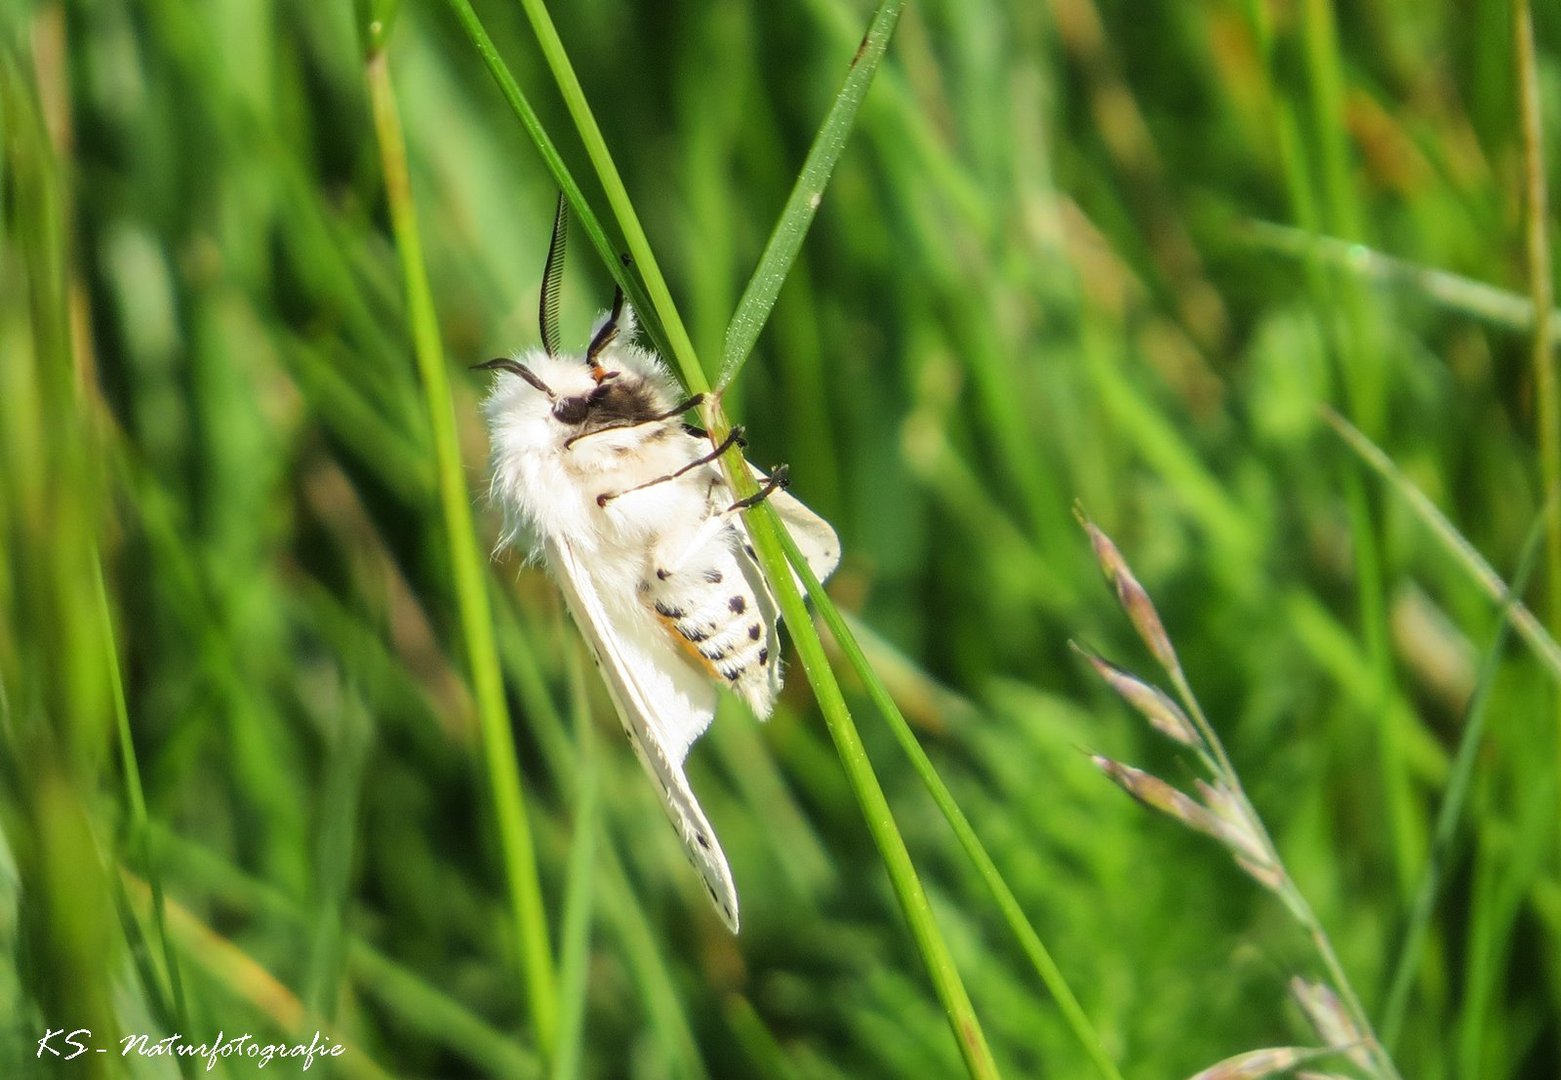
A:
[1079,250]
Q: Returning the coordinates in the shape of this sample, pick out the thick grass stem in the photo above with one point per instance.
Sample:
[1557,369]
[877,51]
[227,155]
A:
[520,868]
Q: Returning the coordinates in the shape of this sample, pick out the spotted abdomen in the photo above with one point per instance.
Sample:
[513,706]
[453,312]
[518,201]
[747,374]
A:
[723,621]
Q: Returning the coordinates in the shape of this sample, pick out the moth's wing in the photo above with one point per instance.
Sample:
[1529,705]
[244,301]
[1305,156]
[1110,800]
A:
[661,712]
[814,536]
[769,614]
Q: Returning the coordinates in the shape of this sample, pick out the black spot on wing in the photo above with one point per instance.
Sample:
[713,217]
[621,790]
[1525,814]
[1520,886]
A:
[737,604]
[754,632]
[713,576]
[764,656]
[667,611]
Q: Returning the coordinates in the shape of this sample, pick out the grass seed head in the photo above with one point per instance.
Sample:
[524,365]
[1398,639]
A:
[1237,828]
[1329,1019]
[1163,714]
[1158,795]
[1262,871]
[1131,595]
[1255,1063]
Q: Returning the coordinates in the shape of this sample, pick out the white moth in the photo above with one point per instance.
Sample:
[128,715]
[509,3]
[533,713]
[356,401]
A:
[633,519]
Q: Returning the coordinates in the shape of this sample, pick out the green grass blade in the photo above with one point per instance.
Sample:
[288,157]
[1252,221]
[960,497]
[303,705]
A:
[1541,283]
[1541,290]
[753,310]
[57,651]
[345,756]
[579,896]
[135,796]
[1451,812]
[678,346]
[520,866]
[891,845]
[1523,620]
[1008,904]
[759,1042]
[1456,292]
[765,528]
[584,215]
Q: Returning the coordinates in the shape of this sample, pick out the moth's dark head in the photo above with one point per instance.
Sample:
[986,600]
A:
[619,398]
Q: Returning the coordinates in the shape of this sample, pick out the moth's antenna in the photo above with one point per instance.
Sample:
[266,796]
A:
[605,335]
[553,278]
[515,367]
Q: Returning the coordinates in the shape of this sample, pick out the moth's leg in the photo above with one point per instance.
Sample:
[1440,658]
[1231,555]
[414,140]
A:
[780,476]
[733,438]
[677,410]
[683,407]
